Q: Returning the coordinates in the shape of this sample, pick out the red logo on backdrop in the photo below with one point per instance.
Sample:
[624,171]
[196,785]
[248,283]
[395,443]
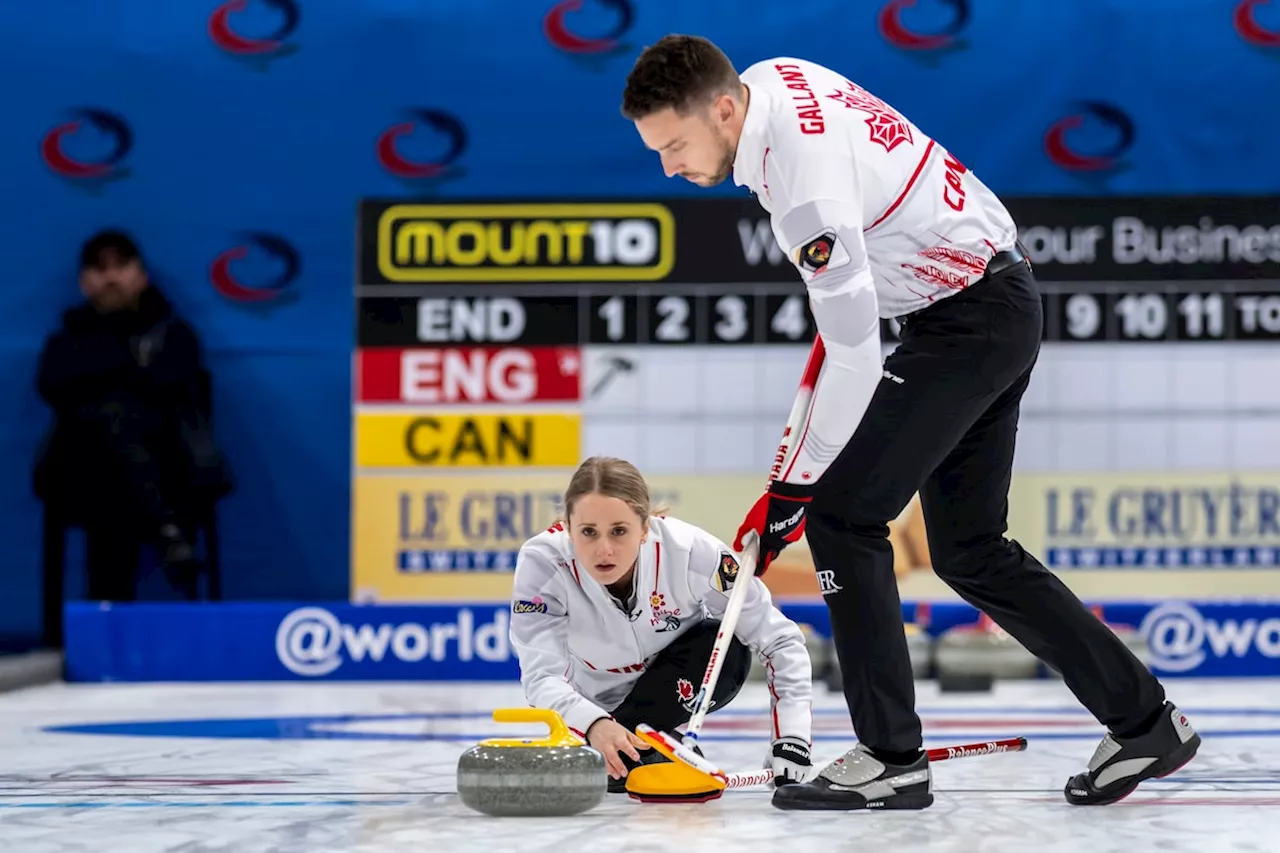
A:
[567,39]
[1247,26]
[92,146]
[236,36]
[440,137]
[1093,119]
[260,269]
[898,34]
[470,375]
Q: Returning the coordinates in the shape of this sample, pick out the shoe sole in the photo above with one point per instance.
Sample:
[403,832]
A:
[1169,765]
[898,802]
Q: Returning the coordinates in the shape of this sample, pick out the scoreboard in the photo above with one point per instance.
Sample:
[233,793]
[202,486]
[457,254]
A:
[708,272]
[498,343]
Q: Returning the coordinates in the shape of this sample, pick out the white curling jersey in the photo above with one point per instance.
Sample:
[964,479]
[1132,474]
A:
[580,654]
[901,206]
[878,219]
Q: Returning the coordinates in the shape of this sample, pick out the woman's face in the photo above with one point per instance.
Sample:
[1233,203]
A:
[606,535]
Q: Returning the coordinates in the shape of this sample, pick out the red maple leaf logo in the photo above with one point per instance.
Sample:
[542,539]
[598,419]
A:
[684,688]
[887,127]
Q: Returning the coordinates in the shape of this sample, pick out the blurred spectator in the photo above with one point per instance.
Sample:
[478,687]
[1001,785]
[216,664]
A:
[130,456]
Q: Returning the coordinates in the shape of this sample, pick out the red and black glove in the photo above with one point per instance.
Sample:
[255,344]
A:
[778,519]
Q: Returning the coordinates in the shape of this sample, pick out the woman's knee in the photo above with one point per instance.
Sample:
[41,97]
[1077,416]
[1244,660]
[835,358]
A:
[734,673]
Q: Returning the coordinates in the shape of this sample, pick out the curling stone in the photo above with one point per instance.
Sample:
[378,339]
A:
[819,648]
[555,776]
[819,656]
[983,651]
[919,647]
[1130,636]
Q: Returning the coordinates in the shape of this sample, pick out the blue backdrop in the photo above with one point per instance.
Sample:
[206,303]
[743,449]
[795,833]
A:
[235,139]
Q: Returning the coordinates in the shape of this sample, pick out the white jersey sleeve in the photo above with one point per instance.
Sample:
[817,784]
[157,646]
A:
[821,230]
[765,630]
[540,637]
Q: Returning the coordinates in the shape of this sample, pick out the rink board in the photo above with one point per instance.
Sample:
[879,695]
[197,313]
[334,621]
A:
[282,641]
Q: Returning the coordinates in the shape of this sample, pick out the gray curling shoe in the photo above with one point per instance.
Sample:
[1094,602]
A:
[861,781]
[1119,765]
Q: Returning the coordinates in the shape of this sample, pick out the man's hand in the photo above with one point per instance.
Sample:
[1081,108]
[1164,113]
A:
[778,519]
[789,759]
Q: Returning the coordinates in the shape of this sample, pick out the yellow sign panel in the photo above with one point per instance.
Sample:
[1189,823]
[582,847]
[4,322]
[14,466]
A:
[1165,520]
[1108,536]
[526,242]
[470,440]
[455,537]
[451,537]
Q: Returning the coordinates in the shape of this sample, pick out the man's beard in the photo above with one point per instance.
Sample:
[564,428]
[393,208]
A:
[723,170]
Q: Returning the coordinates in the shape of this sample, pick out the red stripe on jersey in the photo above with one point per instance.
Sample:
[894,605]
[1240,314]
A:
[911,183]
[574,564]
[803,435]
[777,731]
[657,564]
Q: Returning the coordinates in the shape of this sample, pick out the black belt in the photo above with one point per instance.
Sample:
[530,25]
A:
[1001,262]
[1007,260]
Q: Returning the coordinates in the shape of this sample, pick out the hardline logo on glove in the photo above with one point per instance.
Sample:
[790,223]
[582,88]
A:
[787,523]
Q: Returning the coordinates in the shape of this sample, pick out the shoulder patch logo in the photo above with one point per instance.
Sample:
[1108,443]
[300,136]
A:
[537,605]
[816,254]
[726,573]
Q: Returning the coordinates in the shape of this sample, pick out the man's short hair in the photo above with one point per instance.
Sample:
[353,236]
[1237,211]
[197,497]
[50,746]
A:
[110,241]
[678,71]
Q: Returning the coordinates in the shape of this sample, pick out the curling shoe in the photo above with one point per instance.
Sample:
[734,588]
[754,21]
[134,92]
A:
[859,780]
[1119,765]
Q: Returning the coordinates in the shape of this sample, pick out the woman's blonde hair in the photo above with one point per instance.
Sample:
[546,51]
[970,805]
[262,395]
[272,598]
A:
[614,478]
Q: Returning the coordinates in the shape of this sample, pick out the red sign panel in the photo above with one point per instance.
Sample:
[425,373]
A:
[469,375]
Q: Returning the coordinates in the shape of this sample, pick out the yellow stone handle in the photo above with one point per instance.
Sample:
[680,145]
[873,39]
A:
[559,736]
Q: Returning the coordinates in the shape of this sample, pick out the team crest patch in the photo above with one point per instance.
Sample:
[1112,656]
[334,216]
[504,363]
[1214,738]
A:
[726,573]
[537,605]
[816,254]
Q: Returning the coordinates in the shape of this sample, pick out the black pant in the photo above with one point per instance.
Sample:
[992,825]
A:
[942,423]
[663,695]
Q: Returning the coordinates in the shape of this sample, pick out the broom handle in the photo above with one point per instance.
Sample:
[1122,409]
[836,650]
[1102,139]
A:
[796,423]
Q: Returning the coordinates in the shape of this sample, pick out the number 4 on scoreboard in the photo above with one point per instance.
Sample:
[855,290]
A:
[789,319]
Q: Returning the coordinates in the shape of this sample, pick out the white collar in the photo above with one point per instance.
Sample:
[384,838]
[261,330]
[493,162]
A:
[748,163]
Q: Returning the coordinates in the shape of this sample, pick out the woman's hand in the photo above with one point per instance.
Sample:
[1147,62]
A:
[609,738]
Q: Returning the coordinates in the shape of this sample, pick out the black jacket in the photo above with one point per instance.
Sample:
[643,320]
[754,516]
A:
[148,360]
